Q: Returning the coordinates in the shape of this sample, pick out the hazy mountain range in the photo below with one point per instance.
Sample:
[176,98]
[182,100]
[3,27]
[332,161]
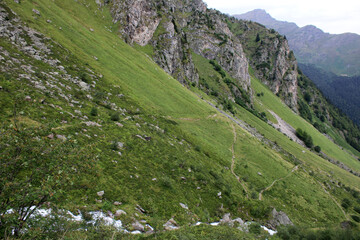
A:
[337,53]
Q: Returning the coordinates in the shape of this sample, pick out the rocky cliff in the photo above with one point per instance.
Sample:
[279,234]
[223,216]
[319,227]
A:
[271,59]
[175,29]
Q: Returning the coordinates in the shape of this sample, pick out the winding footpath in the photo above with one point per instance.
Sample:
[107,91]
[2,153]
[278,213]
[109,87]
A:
[277,180]
[233,162]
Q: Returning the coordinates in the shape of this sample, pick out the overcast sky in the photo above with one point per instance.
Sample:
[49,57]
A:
[333,16]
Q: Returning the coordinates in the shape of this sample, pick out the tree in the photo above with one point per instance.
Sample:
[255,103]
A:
[305,137]
[35,168]
[257,38]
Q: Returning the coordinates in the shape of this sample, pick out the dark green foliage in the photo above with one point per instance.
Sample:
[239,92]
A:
[320,127]
[218,68]
[85,77]
[304,110]
[356,218]
[357,209]
[317,149]
[30,177]
[255,228]
[94,111]
[257,38]
[297,233]
[115,116]
[305,137]
[307,97]
[346,203]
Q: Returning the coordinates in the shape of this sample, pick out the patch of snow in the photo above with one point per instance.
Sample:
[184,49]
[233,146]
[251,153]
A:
[271,232]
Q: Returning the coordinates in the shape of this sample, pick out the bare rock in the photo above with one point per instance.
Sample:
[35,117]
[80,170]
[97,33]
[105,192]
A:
[171,225]
[279,218]
[101,193]
[37,12]
[138,226]
[120,212]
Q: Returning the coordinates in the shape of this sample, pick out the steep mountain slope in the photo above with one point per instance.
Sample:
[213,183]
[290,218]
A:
[337,53]
[139,141]
[342,91]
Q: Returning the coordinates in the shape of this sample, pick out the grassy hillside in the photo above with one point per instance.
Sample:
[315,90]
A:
[151,142]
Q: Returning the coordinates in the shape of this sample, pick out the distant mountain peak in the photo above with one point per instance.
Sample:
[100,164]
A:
[337,53]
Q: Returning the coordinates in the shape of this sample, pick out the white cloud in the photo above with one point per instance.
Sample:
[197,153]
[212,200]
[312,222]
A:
[329,15]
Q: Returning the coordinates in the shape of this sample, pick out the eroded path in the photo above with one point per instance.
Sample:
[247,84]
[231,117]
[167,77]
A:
[233,162]
[277,180]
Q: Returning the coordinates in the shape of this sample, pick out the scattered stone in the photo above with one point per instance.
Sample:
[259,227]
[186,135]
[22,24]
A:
[136,232]
[37,12]
[48,21]
[219,194]
[138,226]
[28,98]
[119,124]
[147,138]
[170,225]
[226,219]
[96,59]
[154,179]
[91,30]
[140,209]
[116,203]
[184,206]
[50,136]
[259,173]
[17,1]
[61,137]
[120,212]
[101,193]
[140,137]
[92,124]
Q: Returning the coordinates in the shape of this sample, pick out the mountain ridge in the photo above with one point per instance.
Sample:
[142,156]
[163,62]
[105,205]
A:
[313,46]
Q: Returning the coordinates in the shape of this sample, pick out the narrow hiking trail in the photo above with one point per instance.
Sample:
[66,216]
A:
[277,180]
[332,198]
[233,162]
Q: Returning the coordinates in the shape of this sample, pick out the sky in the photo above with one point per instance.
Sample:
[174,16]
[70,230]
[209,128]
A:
[332,16]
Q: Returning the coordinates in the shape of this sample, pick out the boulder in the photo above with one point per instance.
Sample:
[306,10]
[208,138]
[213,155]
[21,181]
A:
[101,193]
[120,212]
[279,218]
[170,225]
[138,226]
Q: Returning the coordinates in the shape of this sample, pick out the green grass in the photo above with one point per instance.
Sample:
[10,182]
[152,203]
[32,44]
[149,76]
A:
[191,158]
[270,101]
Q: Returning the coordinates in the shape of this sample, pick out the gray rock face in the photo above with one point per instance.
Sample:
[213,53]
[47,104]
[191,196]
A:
[275,65]
[138,18]
[279,218]
[175,29]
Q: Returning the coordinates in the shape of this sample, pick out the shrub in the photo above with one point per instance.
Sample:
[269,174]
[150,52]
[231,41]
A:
[357,209]
[115,116]
[94,111]
[305,137]
[317,149]
[255,228]
[345,203]
[356,218]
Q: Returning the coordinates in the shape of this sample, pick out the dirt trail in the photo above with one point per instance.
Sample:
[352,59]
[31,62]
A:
[332,198]
[277,180]
[233,163]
